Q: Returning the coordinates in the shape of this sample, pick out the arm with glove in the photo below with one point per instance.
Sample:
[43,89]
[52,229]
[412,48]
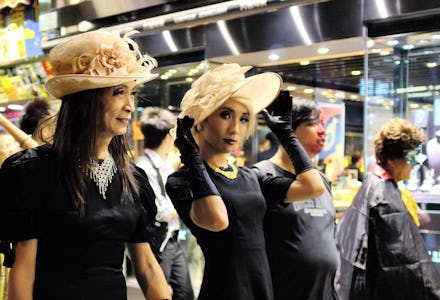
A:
[308,183]
[208,210]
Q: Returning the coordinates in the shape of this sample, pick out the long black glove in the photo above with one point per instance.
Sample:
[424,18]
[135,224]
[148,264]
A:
[200,182]
[280,122]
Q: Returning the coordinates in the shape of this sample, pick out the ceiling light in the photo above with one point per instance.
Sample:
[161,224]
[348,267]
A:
[370,43]
[291,88]
[304,63]
[413,105]
[172,71]
[85,26]
[435,36]
[356,72]
[189,79]
[15,107]
[385,52]
[392,42]
[323,50]
[407,47]
[274,57]
[164,77]
[431,65]
[308,91]
[422,41]
[195,71]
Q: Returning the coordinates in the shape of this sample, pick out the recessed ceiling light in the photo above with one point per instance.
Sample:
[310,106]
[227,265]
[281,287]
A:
[15,107]
[431,65]
[291,88]
[355,72]
[385,52]
[304,62]
[407,47]
[323,50]
[308,91]
[392,42]
[189,79]
[164,77]
[274,57]
[435,36]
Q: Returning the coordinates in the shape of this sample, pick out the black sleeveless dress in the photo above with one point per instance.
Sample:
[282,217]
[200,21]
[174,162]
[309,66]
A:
[236,266]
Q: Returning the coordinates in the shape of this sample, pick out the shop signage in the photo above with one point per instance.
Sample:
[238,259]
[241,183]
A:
[20,36]
[13,3]
[226,9]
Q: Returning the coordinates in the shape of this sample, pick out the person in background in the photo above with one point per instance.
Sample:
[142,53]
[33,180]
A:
[357,160]
[70,208]
[39,119]
[383,255]
[13,139]
[156,125]
[270,146]
[34,111]
[300,239]
[224,205]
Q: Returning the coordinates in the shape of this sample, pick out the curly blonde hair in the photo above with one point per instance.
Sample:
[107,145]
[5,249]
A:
[395,138]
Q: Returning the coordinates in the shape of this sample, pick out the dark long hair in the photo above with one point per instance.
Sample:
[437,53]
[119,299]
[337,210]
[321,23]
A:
[75,143]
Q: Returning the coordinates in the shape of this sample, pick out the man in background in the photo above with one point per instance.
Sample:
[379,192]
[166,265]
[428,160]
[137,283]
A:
[156,125]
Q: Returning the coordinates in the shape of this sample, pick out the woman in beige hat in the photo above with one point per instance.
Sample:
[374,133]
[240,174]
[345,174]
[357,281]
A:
[71,208]
[221,204]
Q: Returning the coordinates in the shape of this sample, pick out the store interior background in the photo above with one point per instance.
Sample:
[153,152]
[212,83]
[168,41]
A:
[369,59]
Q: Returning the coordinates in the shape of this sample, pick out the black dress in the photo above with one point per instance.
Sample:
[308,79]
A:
[236,266]
[77,258]
[300,243]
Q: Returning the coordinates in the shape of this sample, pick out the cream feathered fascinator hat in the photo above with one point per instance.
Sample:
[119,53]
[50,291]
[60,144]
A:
[226,81]
[97,59]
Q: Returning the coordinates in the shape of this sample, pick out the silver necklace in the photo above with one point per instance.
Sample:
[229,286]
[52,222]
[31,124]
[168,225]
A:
[102,174]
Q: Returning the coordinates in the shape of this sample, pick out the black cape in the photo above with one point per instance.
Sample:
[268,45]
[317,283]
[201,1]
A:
[383,255]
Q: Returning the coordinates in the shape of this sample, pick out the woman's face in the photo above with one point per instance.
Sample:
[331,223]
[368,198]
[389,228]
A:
[117,109]
[312,135]
[224,129]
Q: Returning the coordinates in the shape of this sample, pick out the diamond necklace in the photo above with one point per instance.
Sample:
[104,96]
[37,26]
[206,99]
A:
[102,174]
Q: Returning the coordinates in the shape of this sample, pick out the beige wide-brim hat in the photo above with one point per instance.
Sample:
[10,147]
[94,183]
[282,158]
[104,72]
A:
[97,59]
[212,89]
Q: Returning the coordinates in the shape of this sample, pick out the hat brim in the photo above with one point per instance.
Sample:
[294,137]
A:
[259,91]
[62,85]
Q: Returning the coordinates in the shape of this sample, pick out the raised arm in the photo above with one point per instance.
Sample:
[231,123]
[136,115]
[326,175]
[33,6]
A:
[208,210]
[19,135]
[308,183]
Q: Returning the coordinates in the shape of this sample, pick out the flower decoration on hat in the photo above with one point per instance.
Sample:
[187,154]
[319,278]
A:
[115,57]
[210,90]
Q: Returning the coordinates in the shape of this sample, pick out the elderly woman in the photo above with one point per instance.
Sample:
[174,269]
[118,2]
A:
[383,255]
[71,207]
[221,204]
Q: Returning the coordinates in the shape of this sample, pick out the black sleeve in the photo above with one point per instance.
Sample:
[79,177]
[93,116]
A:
[274,188]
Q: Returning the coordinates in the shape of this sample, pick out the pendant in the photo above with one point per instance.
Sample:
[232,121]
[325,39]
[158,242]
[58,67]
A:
[229,172]
[102,174]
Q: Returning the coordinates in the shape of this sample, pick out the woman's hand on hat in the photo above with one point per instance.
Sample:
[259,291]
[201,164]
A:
[184,139]
[280,120]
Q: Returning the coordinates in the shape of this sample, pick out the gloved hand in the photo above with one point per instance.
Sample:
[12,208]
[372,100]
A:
[280,122]
[200,182]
